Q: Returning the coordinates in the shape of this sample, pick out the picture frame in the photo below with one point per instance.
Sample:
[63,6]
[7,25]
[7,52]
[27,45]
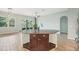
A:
[12,22]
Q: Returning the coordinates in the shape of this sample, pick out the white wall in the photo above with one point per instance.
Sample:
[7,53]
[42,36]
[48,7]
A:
[49,22]
[19,22]
[53,21]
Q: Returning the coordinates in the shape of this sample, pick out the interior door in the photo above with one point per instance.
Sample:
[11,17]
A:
[64,24]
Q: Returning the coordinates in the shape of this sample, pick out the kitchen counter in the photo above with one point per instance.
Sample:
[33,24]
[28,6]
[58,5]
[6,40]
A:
[10,41]
[42,32]
[8,34]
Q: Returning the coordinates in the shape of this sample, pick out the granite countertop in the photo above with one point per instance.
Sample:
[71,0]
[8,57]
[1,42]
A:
[43,32]
[8,34]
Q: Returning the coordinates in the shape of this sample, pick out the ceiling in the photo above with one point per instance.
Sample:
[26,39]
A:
[34,11]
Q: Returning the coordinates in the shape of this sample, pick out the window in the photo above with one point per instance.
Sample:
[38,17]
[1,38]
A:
[3,22]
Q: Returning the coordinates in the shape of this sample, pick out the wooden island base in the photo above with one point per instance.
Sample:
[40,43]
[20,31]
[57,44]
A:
[50,46]
[39,41]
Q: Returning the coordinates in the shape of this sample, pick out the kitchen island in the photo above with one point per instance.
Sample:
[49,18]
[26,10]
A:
[43,40]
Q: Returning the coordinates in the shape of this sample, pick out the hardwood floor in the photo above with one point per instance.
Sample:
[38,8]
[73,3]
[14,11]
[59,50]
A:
[64,45]
[67,45]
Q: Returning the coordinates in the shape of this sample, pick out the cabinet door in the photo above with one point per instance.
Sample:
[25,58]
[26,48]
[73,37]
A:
[43,40]
[33,41]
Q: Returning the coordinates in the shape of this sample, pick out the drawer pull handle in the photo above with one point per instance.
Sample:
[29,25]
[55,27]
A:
[43,35]
[34,35]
